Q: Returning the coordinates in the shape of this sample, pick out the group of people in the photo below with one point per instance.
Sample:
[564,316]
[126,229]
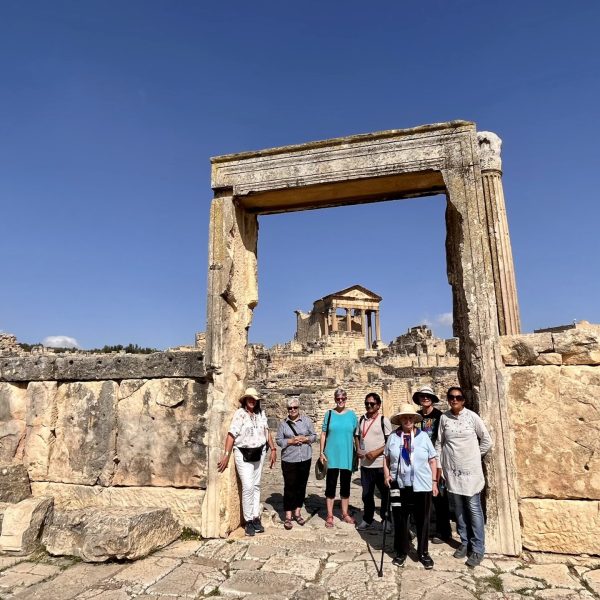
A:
[418,459]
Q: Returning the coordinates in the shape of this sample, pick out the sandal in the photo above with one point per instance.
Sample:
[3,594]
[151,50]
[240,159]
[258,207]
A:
[287,524]
[329,521]
[299,519]
[348,519]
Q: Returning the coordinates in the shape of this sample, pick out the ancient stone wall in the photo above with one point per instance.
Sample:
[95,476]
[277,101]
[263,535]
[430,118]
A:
[108,430]
[553,385]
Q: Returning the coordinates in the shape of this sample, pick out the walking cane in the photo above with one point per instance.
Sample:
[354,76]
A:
[388,515]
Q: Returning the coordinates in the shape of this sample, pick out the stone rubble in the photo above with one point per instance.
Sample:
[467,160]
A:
[98,535]
[22,524]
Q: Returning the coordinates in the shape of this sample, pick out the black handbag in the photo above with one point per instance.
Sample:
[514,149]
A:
[252,454]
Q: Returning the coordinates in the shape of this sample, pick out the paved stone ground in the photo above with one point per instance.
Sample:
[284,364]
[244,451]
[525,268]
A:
[306,563]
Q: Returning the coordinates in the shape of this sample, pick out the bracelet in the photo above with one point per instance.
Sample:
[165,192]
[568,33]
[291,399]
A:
[273,449]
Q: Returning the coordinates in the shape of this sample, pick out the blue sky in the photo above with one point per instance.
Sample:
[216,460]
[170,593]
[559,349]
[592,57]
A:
[109,112]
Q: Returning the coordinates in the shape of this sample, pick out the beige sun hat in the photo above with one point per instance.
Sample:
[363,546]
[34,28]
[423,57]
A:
[406,409]
[250,393]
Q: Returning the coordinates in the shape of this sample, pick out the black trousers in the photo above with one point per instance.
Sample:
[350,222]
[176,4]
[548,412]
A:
[417,504]
[295,476]
[442,516]
[369,479]
[331,482]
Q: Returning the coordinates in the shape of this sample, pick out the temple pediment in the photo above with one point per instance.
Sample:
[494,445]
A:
[355,292]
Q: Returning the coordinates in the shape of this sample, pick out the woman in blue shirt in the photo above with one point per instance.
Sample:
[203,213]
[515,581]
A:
[410,469]
[337,452]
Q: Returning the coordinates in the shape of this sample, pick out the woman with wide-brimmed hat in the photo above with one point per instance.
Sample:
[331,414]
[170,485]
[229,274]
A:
[410,469]
[426,399]
[248,438]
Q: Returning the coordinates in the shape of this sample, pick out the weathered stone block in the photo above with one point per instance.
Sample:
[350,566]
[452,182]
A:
[578,346]
[84,448]
[184,503]
[161,426]
[96,367]
[564,526]
[41,398]
[22,524]
[14,483]
[525,349]
[12,420]
[97,535]
[557,433]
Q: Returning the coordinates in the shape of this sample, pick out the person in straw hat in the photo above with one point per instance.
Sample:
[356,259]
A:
[410,470]
[426,399]
[248,438]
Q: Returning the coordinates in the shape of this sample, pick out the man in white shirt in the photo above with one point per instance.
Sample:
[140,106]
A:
[372,432]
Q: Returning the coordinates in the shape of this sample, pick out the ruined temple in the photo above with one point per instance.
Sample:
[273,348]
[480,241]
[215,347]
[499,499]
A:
[359,307]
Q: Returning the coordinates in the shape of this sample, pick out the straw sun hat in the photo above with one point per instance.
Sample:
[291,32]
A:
[425,391]
[406,410]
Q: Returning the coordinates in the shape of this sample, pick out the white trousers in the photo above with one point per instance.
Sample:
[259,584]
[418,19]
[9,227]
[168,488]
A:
[249,473]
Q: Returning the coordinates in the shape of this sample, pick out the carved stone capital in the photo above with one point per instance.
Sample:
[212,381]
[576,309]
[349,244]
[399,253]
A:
[489,151]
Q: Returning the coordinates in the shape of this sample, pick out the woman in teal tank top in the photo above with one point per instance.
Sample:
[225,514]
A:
[337,451]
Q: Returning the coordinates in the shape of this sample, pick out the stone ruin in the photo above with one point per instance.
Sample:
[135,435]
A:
[96,433]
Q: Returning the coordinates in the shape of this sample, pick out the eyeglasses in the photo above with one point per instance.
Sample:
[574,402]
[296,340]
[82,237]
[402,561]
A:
[370,404]
[451,398]
[293,407]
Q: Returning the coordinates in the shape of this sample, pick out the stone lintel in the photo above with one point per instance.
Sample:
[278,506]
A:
[95,367]
[373,167]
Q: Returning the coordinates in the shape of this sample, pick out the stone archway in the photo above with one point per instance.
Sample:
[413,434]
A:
[443,158]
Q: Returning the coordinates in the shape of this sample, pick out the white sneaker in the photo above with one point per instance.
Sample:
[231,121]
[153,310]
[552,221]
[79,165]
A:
[364,526]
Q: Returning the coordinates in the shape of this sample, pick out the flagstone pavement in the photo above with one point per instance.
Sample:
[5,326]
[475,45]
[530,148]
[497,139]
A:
[306,563]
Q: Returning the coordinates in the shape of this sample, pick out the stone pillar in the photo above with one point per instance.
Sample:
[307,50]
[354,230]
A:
[334,321]
[509,322]
[369,331]
[476,324]
[232,296]
[326,322]
[377,327]
[363,320]
[348,320]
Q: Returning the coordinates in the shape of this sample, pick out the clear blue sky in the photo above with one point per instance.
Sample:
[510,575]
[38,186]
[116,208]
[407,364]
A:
[109,112]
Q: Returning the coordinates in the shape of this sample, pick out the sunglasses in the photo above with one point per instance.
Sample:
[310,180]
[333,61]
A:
[370,404]
[340,399]
[451,398]
[424,397]
[293,407]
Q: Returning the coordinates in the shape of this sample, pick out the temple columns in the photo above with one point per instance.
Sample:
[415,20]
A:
[369,331]
[509,322]
[348,320]
[334,322]
[377,327]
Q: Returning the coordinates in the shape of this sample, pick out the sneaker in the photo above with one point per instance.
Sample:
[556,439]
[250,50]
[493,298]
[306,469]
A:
[364,526]
[460,552]
[426,561]
[474,560]
[399,560]
[249,528]
[258,525]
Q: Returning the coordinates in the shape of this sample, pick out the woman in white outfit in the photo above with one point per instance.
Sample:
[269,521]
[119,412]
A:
[248,438]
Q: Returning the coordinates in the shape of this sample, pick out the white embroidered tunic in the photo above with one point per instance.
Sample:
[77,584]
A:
[462,441]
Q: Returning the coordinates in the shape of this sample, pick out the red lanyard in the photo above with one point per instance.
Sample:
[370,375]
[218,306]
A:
[364,432]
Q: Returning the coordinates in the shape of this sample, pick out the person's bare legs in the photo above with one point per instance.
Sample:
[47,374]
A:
[330,502]
[345,505]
